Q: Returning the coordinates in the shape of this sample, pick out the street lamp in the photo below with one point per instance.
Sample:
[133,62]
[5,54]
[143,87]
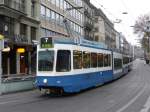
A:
[124,12]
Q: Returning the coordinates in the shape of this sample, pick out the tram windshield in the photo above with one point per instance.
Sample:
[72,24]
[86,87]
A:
[45,60]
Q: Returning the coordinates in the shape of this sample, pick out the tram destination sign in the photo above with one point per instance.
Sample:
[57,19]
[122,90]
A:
[46,42]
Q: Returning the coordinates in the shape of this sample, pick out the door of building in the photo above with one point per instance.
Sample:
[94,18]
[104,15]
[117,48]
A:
[22,63]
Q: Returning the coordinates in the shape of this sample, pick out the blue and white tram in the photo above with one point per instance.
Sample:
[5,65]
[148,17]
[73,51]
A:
[72,67]
[117,65]
[126,64]
[130,63]
[69,67]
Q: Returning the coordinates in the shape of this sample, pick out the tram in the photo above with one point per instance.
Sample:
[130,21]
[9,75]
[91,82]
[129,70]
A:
[64,65]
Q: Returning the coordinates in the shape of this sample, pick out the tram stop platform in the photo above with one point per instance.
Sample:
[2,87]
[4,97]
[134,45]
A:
[16,84]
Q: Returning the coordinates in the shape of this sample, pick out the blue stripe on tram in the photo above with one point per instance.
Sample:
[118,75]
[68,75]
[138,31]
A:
[75,83]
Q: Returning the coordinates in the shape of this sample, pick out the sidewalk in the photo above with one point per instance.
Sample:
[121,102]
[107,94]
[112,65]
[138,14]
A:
[15,84]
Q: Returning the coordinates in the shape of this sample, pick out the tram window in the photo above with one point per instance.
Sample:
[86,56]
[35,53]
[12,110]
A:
[63,61]
[77,59]
[100,60]
[125,60]
[107,60]
[93,60]
[117,63]
[86,59]
[45,60]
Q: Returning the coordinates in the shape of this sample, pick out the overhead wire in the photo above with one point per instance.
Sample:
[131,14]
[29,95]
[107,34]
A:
[107,11]
[111,14]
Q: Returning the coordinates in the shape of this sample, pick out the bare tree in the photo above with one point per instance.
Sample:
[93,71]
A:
[140,26]
[142,29]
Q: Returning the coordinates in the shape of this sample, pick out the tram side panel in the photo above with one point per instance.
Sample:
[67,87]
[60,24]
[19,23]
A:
[59,67]
[117,65]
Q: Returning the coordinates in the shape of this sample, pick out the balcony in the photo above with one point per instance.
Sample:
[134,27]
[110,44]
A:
[15,5]
[86,13]
[88,26]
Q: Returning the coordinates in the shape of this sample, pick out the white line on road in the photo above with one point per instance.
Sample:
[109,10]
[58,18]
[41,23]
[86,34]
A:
[3,103]
[131,101]
[146,106]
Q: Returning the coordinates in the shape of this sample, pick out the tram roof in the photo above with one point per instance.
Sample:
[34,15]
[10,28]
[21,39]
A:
[77,41]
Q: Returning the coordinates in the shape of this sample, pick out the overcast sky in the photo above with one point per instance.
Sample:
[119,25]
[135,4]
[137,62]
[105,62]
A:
[114,9]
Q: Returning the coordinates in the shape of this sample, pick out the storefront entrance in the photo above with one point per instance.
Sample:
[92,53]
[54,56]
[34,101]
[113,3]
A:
[23,63]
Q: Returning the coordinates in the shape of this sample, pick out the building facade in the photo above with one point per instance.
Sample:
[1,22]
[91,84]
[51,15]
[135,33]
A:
[52,16]
[19,24]
[104,29]
[89,20]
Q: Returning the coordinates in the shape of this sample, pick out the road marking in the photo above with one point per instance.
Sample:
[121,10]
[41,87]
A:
[3,103]
[146,106]
[131,101]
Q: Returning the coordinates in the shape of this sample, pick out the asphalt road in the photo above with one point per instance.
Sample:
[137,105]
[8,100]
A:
[131,93]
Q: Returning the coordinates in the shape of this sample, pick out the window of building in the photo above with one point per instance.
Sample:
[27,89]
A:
[93,60]
[65,5]
[43,11]
[53,2]
[96,38]
[23,29]
[33,33]
[57,18]
[61,4]
[58,3]
[77,59]
[63,63]
[48,15]
[43,32]
[86,59]
[53,15]
[33,8]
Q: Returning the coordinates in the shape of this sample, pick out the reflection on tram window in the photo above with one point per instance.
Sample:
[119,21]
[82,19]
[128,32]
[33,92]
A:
[93,60]
[86,59]
[63,61]
[107,60]
[45,60]
[100,60]
[117,63]
[125,60]
[77,59]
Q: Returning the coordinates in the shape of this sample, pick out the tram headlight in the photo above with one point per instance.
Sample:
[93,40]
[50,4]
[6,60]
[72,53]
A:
[45,81]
